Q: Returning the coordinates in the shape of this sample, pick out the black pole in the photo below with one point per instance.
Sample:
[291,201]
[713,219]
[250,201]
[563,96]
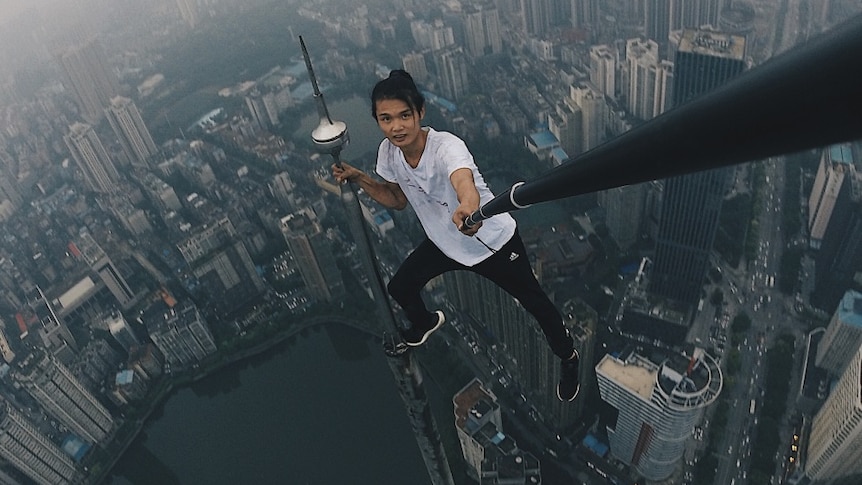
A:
[808,97]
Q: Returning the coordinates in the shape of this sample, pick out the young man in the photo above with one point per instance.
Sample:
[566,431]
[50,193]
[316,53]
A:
[435,172]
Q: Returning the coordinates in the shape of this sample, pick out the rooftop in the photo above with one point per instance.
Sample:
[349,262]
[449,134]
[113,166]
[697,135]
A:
[841,154]
[850,309]
[636,374]
[716,44]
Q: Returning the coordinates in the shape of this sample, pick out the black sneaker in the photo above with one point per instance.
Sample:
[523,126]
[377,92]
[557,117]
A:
[417,335]
[568,387]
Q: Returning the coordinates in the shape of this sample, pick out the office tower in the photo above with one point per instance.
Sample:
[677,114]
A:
[162,195]
[96,258]
[146,360]
[134,137]
[89,78]
[180,333]
[92,158]
[691,204]
[661,17]
[121,330]
[482,30]
[835,171]
[414,63]
[31,452]
[650,79]
[452,73]
[843,334]
[839,259]
[658,405]
[64,397]
[510,327]
[282,188]
[657,21]
[603,69]
[835,445]
[312,254]
[492,457]
[624,209]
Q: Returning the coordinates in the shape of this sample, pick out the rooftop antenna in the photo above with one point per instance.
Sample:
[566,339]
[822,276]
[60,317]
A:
[330,137]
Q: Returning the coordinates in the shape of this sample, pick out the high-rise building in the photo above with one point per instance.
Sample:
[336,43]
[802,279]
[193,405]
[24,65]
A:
[452,73]
[134,137]
[838,262]
[650,79]
[835,444]
[180,333]
[691,204]
[122,331]
[594,111]
[482,30]
[624,210]
[312,255]
[64,397]
[89,78]
[603,69]
[257,109]
[102,265]
[565,124]
[492,457]
[843,335]
[31,452]
[516,331]
[835,171]
[585,14]
[51,329]
[92,158]
[537,16]
[414,63]
[658,405]
[664,16]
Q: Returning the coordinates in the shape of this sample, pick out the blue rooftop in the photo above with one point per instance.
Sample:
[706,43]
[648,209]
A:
[841,154]
[850,309]
[544,139]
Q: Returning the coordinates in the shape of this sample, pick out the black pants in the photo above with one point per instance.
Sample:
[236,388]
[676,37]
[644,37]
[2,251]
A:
[508,268]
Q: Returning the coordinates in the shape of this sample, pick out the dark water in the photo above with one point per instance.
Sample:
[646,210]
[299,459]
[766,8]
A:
[320,409]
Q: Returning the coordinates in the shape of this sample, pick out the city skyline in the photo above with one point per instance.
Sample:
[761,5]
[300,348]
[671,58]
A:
[182,230]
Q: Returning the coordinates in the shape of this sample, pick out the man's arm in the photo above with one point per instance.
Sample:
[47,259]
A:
[468,197]
[386,193]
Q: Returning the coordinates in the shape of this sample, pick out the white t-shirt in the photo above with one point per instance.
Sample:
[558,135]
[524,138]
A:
[430,193]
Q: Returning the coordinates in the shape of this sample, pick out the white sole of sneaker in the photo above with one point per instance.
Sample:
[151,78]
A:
[441,319]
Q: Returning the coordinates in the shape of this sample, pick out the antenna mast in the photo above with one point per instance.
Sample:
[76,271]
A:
[330,137]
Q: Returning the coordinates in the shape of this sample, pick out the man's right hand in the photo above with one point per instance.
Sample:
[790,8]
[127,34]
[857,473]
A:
[345,173]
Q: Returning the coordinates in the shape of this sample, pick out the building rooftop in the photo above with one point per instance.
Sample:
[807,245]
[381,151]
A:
[715,44]
[850,309]
[635,373]
[841,154]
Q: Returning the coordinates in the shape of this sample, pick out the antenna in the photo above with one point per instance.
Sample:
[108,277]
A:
[329,136]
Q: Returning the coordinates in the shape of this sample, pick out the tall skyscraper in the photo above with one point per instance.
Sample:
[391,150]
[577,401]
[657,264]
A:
[92,158]
[122,331]
[839,258]
[835,445]
[134,137]
[492,457]
[565,124]
[594,112]
[180,333]
[312,254]
[89,78]
[650,79]
[64,397]
[585,14]
[31,452]
[836,170]
[691,204]
[537,16]
[658,405]
[843,335]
